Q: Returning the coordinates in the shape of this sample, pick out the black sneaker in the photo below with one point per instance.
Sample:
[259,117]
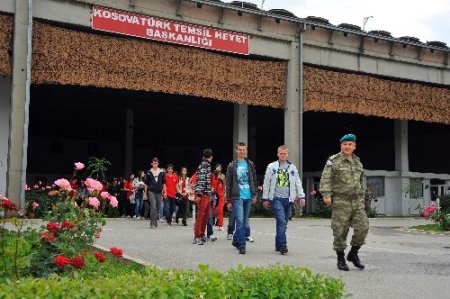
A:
[241,250]
[283,250]
[235,245]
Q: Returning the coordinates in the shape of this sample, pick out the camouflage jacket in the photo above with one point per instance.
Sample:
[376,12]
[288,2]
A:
[342,177]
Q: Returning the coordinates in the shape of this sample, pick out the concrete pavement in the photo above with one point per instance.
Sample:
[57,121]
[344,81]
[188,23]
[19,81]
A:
[399,264]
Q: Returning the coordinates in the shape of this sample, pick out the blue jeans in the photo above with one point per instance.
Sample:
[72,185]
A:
[211,219]
[138,199]
[241,211]
[281,208]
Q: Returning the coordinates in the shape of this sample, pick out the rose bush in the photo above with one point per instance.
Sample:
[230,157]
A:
[61,245]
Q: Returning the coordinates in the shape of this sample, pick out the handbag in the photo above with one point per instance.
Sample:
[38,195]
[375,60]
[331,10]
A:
[132,196]
[178,199]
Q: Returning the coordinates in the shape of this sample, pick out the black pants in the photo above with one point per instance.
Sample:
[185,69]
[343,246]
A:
[182,210]
[146,208]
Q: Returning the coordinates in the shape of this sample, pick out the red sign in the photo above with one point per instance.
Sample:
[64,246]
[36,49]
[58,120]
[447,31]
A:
[164,30]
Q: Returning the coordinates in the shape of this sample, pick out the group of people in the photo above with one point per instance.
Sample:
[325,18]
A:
[341,186]
[208,190]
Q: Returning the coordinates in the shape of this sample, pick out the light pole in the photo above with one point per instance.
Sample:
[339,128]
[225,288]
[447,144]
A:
[262,4]
[365,22]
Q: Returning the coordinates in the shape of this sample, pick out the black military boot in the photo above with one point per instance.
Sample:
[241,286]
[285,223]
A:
[353,257]
[341,264]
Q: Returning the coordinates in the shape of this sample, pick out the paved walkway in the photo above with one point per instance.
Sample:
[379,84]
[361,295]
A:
[399,264]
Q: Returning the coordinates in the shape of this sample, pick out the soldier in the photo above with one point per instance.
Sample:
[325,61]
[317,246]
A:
[341,187]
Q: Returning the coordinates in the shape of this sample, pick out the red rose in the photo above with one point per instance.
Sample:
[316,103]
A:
[46,236]
[8,205]
[116,251]
[99,256]
[62,261]
[53,227]
[78,262]
[67,225]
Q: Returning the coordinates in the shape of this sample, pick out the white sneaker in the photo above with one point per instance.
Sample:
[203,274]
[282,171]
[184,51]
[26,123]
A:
[249,239]
[220,228]
[230,237]
[134,217]
[138,218]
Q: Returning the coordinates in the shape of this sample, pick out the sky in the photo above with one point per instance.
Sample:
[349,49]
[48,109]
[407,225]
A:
[427,20]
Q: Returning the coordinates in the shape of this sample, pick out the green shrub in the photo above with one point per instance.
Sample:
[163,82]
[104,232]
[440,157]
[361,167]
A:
[322,210]
[251,282]
[444,203]
[257,209]
[441,218]
[40,196]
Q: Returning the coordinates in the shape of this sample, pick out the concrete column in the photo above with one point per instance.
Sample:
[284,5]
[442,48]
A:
[292,111]
[240,124]
[401,203]
[5,110]
[401,145]
[129,129]
[20,99]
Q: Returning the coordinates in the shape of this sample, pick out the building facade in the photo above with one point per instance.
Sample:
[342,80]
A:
[157,68]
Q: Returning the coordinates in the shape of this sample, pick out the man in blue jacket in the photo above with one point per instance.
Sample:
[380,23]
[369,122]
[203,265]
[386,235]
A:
[282,186]
[241,190]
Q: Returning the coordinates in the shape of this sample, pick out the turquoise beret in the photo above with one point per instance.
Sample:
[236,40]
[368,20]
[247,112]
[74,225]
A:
[348,137]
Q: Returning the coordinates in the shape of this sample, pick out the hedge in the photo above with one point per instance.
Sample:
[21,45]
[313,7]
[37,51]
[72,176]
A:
[243,282]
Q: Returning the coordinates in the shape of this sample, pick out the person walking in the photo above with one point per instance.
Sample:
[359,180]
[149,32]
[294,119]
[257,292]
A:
[241,188]
[154,184]
[170,191]
[127,192]
[282,186]
[184,189]
[202,191]
[139,187]
[218,186]
[341,186]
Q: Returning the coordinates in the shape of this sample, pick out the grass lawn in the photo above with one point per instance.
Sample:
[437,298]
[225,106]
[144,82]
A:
[427,228]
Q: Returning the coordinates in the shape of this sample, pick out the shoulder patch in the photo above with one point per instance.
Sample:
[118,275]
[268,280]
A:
[329,163]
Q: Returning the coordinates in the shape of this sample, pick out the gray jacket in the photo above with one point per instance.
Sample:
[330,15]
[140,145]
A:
[232,187]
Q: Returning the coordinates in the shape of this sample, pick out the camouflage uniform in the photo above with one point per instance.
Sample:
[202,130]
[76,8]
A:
[342,181]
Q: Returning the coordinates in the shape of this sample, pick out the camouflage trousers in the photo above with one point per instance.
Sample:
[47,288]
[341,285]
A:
[345,214]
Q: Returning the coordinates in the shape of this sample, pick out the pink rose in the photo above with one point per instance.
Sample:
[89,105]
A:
[26,188]
[93,185]
[63,184]
[104,195]
[94,202]
[312,193]
[113,201]
[79,165]
[35,205]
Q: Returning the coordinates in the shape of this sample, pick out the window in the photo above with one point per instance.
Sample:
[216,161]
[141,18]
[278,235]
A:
[376,183]
[415,187]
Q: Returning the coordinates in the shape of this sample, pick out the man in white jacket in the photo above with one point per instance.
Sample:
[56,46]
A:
[282,186]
